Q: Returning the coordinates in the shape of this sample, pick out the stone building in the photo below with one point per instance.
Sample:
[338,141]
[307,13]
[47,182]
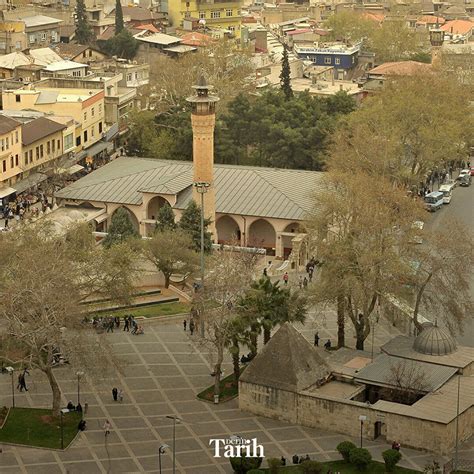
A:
[293,381]
[250,206]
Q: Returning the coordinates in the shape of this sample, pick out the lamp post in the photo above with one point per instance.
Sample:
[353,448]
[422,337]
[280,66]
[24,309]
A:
[175,419]
[161,450]
[202,188]
[62,412]
[10,370]
[456,453]
[362,418]
[79,374]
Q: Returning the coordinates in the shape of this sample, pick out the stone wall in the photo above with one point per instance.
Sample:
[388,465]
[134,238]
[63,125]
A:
[343,416]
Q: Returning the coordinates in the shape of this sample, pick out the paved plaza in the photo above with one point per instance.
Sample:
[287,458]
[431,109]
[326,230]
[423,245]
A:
[165,370]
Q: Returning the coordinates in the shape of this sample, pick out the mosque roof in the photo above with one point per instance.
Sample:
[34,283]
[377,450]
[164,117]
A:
[433,340]
[288,361]
[243,190]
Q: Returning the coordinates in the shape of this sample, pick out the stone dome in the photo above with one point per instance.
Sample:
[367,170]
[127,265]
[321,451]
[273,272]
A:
[433,340]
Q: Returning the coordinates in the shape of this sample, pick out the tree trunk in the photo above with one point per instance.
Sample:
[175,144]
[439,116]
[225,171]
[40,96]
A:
[217,370]
[236,362]
[340,322]
[55,389]
[167,280]
[253,341]
[267,334]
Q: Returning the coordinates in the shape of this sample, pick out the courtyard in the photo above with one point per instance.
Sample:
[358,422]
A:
[162,372]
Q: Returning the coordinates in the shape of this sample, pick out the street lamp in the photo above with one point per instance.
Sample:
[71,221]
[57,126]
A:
[362,418]
[10,370]
[456,455]
[62,412]
[161,451]
[79,374]
[202,188]
[175,419]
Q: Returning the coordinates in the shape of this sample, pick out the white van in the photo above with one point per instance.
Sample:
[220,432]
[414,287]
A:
[447,191]
[434,201]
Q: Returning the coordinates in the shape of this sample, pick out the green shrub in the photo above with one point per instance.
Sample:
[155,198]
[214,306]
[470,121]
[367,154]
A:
[360,458]
[243,465]
[311,467]
[255,471]
[345,449]
[391,458]
[274,465]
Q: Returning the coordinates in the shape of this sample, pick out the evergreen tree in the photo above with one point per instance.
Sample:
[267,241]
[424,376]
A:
[121,228]
[285,81]
[123,45]
[84,33]
[165,219]
[118,17]
[191,223]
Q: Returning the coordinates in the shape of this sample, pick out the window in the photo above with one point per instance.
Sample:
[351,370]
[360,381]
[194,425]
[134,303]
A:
[16,137]
[129,77]
[32,39]
[4,165]
[2,144]
[76,74]
[11,162]
[84,54]
[7,143]
[215,14]
[48,147]
[100,127]
[31,155]
[202,15]
[18,45]
[100,108]
[41,151]
[53,143]
[18,98]
[43,36]
[85,136]
[85,116]
[78,141]
[228,12]
[187,14]
[231,28]
[68,141]
[90,53]
[16,160]
[59,145]
[26,157]
[37,153]
[92,111]
[327,60]
[92,131]
[136,75]
[337,61]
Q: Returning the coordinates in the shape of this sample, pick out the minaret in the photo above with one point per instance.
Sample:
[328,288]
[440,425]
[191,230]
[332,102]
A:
[203,119]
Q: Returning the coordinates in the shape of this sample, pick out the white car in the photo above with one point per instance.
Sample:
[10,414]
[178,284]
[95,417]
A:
[447,190]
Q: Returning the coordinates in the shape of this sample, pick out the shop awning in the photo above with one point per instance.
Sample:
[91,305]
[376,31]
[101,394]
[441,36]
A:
[71,170]
[93,150]
[32,180]
[101,218]
[4,192]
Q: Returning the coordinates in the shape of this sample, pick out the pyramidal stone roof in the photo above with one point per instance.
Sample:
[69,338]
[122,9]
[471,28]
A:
[288,362]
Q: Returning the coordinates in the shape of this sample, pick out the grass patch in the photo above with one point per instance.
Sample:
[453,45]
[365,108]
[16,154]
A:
[228,390]
[345,468]
[163,309]
[37,427]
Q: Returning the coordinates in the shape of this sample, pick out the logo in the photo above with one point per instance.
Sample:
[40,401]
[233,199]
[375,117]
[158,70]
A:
[236,447]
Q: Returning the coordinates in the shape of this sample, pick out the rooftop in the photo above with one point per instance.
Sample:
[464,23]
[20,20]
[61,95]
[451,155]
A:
[40,20]
[12,60]
[44,56]
[158,38]
[244,190]
[70,50]
[7,124]
[458,27]
[64,65]
[400,68]
[38,129]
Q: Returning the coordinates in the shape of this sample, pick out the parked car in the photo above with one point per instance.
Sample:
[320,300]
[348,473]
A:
[472,171]
[465,180]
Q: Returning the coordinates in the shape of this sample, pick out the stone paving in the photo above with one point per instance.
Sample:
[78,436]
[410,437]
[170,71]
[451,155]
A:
[165,370]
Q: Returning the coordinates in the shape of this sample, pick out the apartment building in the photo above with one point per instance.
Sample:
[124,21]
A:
[215,14]
[10,153]
[41,30]
[85,106]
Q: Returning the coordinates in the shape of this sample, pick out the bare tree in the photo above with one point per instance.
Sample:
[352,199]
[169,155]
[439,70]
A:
[407,381]
[44,278]
[229,276]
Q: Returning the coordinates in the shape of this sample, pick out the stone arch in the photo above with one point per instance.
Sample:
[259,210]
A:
[262,234]
[154,206]
[132,216]
[228,231]
[295,228]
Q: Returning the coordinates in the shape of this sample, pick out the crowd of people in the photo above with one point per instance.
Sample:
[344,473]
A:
[109,323]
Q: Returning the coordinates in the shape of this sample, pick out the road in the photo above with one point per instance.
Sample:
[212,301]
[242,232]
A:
[462,208]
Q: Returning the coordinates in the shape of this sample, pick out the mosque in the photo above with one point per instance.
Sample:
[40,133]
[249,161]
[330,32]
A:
[250,206]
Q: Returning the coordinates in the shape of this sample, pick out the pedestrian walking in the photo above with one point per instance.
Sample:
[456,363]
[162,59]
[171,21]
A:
[126,326]
[120,395]
[265,274]
[117,322]
[305,283]
[107,427]
[191,327]
[184,324]
[285,278]
[115,393]
[316,339]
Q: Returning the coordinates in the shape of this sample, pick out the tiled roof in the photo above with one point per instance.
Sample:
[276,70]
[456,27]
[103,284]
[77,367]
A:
[7,124]
[12,60]
[70,50]
[148,27]
[458,27]
[431,19]
[38,129]
[196,39]
[401,68]
[245,190]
